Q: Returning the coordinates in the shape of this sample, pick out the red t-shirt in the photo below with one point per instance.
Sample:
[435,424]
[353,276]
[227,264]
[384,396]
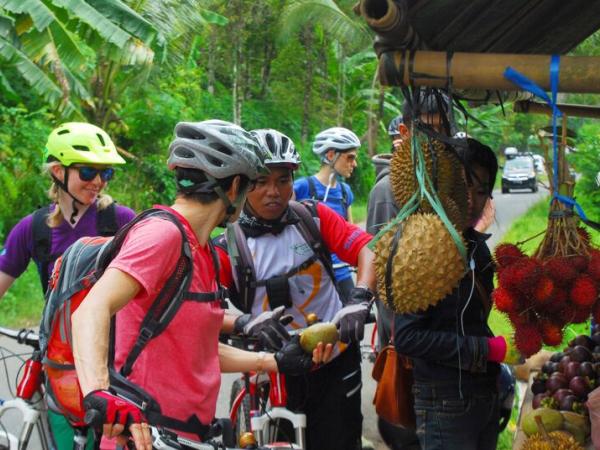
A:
[179,368]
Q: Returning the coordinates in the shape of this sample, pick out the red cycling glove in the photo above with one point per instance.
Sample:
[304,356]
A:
[114,410]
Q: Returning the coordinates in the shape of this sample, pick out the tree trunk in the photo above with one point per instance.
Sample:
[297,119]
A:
[341,91]
[212,50]
[307,42]
[237,92]
[269,55]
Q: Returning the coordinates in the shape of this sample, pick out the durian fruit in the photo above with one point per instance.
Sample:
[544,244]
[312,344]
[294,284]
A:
[444,170]
[426,265]
[558,440]
[402,174]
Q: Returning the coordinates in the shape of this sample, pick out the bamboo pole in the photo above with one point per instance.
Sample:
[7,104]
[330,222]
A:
[485,71]
[592,112]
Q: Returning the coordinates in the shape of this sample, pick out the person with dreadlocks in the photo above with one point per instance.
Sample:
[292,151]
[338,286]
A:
[79,157]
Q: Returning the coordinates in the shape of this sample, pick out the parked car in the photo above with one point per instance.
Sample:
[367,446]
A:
[519,173]
[510,152]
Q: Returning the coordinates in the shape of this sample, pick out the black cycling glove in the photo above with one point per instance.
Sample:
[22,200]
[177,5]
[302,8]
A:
[291,359]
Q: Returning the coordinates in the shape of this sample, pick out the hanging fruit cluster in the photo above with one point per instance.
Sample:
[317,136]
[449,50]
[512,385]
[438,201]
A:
[541,295]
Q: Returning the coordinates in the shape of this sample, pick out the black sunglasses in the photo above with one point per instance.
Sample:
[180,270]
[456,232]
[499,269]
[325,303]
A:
[89,173]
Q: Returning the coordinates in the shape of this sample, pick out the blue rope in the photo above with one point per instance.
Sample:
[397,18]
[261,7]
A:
[528,85]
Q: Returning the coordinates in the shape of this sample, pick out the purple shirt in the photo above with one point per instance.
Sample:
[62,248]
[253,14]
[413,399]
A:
[18,248]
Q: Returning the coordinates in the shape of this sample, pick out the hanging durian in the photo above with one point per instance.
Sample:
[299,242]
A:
[425,266]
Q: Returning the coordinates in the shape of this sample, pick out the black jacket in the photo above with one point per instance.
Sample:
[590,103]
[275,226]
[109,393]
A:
[434,339]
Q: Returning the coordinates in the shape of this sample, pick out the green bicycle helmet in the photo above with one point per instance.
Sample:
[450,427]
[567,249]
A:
[84,143]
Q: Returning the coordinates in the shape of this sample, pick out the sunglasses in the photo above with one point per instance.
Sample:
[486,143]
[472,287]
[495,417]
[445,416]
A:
[89,173]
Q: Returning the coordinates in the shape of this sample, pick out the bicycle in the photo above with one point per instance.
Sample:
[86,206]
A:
[27,402]
[258,405]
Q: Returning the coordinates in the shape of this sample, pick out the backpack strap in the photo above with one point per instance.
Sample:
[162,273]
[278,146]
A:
[243,264]
[312,194]
[106,221]
[42,244]
[312,235]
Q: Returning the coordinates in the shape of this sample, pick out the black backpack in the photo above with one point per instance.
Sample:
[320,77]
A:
[106,225]
[234,242]
[312,193]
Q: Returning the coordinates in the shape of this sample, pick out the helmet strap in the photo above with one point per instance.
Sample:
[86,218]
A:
[230,207]
[63,186]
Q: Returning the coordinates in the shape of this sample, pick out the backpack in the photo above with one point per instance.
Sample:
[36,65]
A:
[235,243]
[312,193]
[106,225]
[74,274]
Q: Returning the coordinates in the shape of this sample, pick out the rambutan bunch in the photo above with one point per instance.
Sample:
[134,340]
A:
[543,291]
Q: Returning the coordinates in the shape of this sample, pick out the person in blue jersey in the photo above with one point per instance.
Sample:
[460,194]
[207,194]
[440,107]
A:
[337,148]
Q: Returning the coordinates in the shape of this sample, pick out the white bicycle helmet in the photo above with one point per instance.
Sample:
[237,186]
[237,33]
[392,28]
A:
[281,147]
[336,138]
[221,149]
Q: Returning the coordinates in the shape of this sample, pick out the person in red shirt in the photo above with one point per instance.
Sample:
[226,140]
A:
[215,162]
[292,273]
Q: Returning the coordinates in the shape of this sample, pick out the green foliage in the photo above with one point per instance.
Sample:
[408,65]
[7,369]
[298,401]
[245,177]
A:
[586,162]
[22,136]
[23,303]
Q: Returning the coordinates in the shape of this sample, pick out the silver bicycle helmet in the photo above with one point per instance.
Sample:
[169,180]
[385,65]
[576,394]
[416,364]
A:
[221,149]
[336,138]
[281,147]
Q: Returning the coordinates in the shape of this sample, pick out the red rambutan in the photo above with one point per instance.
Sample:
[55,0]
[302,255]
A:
[551,333]
[518,318]
[596,312]
[558,300]
[560,270]
[520,276]
[528,339]
[506,254]
[584,291]
[594,265]
[542,293]
[580,262]
[578,315]
[504,300]
[584,235]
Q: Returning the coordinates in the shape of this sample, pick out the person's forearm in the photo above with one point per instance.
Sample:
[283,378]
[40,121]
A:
[91,327]
[235,360]
[6,282]
[228,321]
[366,269]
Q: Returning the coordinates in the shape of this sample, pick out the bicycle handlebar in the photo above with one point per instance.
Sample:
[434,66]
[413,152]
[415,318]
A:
[93,418]
[22,336]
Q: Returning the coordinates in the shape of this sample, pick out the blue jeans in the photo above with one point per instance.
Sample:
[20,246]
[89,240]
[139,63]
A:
[445,421]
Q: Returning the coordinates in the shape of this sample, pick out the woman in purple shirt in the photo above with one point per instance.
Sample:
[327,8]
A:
[79,158]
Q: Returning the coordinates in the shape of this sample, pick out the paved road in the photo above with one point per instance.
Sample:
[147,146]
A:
[508,207]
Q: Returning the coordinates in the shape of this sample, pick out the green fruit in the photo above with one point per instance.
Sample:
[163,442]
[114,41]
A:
[576,424]
[578,433]
[552,420]
[325,332]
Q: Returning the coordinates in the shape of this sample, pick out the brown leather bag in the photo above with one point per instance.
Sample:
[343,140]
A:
[394,401]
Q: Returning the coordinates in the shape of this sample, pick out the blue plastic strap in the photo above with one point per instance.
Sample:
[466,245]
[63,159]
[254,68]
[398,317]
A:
[554,75]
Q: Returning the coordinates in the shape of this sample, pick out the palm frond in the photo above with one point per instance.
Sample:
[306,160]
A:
[89,15]
[126,18]
[326,13]
[40,14]
[37,79]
